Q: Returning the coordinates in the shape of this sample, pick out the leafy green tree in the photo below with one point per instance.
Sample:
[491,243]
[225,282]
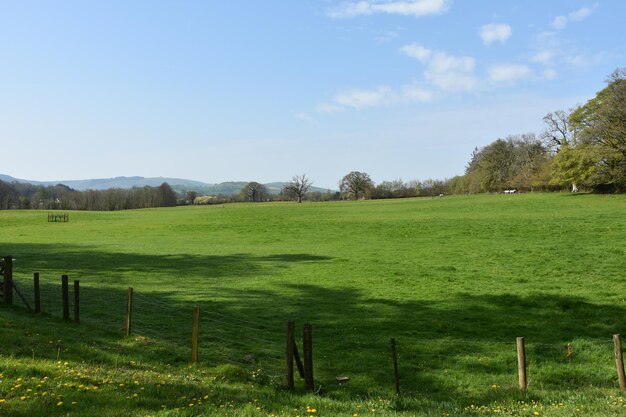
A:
[573,165]
[356,184]
[514,162]
[166,195]
[254,192]
[8,196]
[600,134]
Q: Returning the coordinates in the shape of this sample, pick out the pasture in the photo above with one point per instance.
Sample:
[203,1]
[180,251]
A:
[455,280]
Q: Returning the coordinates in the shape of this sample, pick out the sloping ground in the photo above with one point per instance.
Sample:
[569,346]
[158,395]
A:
[455,280]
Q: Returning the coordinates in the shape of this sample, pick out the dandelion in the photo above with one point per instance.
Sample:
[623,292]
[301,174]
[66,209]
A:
[60,403]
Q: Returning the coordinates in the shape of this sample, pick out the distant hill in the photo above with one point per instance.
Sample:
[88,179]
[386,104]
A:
[178,184]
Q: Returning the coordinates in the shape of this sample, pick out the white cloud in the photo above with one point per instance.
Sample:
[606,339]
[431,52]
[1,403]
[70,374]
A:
[416,93]
[442,62]
[415,8]
[305,117]
[550,74]
[580,14]
[387,36]
[329,108]
[359,99]
[544,57]
[416,51]
[448,72]
[454,81]
[495,32]
[561,22]
[554,51]
[577,60]
[508,73]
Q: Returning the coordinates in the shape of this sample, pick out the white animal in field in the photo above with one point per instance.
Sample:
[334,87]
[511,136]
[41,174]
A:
[510,191]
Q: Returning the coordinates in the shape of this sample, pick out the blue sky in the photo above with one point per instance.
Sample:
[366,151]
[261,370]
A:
[262,90]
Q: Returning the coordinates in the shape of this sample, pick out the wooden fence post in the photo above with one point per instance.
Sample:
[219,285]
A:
[307,346]
[289,355]
[194,334]
[7,286]
[619,361]
[77,301]
[129,312]
[394,355]
[66,297]
[521,364]
[37,292]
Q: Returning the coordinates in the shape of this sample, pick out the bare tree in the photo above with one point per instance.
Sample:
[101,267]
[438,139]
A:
[297,187]
[557,131]
[356,184]
[191,196]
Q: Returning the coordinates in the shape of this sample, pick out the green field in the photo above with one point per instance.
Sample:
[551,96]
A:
[455,280]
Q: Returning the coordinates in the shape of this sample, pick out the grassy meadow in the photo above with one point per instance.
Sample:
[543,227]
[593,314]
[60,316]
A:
[455,280]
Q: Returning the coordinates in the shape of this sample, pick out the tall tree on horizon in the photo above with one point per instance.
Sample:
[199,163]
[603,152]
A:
[297,187]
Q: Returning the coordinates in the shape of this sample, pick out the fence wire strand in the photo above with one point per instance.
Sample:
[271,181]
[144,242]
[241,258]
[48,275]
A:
[252,343]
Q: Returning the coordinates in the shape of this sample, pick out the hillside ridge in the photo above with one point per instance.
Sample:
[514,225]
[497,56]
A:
[178,184]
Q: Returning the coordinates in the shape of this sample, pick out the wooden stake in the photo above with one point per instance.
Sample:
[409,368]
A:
[289,355]
[37,292]
[7,286]
[394,355]
[307,345]
[619,361]
[129,311]
[66,297]
[77,301]
[194,335]
[521,364]
[296,357]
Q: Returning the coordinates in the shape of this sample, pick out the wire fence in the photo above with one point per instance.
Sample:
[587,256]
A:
[257,344]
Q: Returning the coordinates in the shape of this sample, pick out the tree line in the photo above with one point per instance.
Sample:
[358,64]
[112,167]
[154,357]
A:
[583,148]
[17,195]
[579,148]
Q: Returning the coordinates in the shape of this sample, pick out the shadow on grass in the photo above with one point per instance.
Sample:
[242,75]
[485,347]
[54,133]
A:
[444,346]
[87,261]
